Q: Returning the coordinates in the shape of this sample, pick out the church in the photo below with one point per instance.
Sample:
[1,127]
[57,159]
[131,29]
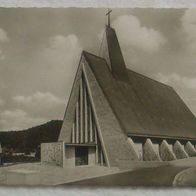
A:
[116,116]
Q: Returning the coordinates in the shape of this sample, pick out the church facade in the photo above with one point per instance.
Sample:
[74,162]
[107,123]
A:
[116,116]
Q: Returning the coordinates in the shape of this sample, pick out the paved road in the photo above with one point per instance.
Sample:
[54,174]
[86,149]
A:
[186,178]
[159,176]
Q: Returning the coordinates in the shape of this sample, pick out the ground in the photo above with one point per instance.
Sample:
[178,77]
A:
[44,174]
[177,173]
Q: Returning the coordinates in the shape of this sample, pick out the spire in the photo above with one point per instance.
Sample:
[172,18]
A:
[111,51]
[108,14]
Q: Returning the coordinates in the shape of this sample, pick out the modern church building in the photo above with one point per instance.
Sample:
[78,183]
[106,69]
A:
[116,116]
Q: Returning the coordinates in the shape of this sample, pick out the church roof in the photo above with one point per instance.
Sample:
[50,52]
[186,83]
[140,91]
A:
[143,106]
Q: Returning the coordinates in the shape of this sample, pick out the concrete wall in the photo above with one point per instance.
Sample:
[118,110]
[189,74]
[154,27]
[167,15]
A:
[69,160]
[139,150]
[170,147]
[65,133]
[136,148]
[179,151]
[52,153]
[189,148]
[166,152]
[149,152]
[156,148]
[91,156]
[113,140]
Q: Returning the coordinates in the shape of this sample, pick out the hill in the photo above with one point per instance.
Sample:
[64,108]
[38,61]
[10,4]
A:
[28,140]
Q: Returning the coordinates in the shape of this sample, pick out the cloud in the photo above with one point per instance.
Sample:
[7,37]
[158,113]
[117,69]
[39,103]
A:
[2,102]
[58,61]
[42,104]
[39,99]
[32,110]
[54,68]
[17,119]
[189,28]
[2,56]
[3,36]
[62,48]
[132,34]
[175,79]
[59,41]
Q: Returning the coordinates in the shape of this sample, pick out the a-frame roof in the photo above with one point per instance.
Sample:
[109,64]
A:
[143,106]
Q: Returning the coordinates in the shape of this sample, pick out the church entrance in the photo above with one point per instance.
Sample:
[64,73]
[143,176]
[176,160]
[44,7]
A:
[81,155]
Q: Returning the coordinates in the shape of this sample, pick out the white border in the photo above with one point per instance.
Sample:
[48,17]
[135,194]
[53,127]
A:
[13,191]
[100,3]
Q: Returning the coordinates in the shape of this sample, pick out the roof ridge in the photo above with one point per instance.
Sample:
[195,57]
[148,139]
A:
[147,77]
[130,70]
[89,53]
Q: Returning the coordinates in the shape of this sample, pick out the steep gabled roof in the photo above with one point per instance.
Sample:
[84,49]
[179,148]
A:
[143,106]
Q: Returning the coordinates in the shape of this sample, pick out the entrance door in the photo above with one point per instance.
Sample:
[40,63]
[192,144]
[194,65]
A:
[81,154]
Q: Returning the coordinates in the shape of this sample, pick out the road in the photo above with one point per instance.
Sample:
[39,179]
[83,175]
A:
[159,176]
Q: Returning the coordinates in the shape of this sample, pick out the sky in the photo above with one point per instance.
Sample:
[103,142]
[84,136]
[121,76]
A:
[40,50]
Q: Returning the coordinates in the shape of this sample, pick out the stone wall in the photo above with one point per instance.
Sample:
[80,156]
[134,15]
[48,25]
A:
[165,152]
[52,153]
[149,153]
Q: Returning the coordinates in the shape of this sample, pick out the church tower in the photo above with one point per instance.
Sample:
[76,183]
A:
[111,51]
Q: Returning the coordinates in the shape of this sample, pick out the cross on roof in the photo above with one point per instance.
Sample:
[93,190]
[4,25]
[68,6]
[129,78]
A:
[108,14]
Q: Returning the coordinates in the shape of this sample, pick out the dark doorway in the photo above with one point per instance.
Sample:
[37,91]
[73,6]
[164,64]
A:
[81,154]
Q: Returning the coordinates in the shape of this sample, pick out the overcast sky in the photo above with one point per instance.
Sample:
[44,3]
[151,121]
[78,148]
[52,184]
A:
[40,50]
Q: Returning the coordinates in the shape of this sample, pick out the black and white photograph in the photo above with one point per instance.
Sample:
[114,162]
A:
[98,97]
